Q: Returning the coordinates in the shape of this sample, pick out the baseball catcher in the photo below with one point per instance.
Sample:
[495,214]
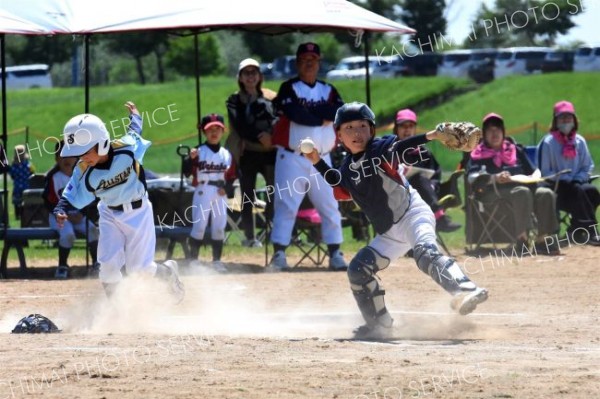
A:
[400,217]
[463,136]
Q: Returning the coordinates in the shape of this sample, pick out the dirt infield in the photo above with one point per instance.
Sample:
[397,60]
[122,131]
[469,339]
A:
[257,335]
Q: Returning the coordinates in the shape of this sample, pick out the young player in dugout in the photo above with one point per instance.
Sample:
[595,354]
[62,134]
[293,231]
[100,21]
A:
[211,167]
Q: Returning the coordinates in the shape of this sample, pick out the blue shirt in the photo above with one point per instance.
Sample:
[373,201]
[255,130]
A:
[551,160]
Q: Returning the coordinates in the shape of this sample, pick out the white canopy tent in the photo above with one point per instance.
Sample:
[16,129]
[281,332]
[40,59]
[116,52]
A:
[87,17]
[266,16]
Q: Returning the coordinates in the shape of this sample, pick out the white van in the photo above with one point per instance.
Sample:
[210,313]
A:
[28,76]
[519,61]
[587,58]
[354,68]
[454,63]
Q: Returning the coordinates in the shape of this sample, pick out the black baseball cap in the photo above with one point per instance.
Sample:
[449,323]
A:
[310,48]
[212,120]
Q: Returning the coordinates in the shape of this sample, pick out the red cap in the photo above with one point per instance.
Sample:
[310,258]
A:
[212,120]
[405,115]
[563,107]
[308,48]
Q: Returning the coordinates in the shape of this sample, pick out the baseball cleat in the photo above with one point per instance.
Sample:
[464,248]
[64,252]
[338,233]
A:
[62,272]
[219,266]
[465,302]
[279,262]
[337,262]
[175,285]
[372,333]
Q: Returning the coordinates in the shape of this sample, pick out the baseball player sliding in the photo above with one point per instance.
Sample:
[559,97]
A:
[113,172]
[308,106]
[400,217]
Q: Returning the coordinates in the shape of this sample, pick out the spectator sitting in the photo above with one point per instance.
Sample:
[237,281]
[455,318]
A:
[563,148]
[56,180]
[501,159]
[427,187]
[20,170]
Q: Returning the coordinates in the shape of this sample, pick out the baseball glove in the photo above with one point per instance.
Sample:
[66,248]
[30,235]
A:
[463,136]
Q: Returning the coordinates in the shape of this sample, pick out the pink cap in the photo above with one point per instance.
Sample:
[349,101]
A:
[563,107]
[405,115]
[492,115]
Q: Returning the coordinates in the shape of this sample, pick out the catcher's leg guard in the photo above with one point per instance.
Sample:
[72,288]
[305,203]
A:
[366,288]
[442,269]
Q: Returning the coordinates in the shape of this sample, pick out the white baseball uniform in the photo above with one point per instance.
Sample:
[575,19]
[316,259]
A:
[127,235]
[210,166]
[306,107]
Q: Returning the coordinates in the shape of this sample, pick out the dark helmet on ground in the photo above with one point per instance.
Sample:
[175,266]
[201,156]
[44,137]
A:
[354,111]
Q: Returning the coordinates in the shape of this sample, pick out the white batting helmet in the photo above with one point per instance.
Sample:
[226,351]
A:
[81,133]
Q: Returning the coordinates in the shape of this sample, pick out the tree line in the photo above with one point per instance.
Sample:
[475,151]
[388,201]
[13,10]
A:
[157,56]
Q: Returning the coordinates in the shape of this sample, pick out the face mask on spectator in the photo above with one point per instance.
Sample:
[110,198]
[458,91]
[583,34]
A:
[565,128]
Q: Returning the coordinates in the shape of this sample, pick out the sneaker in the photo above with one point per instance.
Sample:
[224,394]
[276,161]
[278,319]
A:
[252,243]
[94,270]
[62,272]
[279,262]
[594,241]
[446,225]
[553,249]
[337,262]
[465,302]
[219,266]
[175,285]
[374,333]
[522,248]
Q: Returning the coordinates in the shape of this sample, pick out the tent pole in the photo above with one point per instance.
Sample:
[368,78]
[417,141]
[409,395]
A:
[4,157]
[367,75]
[86,46]
[197,73]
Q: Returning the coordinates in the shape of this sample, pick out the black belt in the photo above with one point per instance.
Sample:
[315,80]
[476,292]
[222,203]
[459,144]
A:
[297,153]
[134,205]
[216,183]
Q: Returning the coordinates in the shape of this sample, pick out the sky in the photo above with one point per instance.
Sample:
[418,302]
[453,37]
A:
[461,13]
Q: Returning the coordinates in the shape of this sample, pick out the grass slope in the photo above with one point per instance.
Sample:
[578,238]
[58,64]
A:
[170,111]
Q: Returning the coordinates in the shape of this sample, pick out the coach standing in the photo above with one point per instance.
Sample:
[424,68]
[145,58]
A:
[307,107]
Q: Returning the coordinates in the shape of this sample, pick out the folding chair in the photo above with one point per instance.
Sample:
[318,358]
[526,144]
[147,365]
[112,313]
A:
[486,221]
[449,197]
[306,235]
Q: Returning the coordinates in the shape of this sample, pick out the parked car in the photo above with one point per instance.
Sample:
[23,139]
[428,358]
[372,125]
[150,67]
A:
[425,64]
[481,65]
[587,58]
[28,76]
[519,61]
[558,61]
[354,68]
[454,63]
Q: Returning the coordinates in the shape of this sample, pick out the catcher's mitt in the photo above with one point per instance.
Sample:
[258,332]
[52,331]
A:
[463,136]
[34,324]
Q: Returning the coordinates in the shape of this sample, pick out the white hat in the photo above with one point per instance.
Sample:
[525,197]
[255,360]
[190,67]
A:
[81,133]
[248,62]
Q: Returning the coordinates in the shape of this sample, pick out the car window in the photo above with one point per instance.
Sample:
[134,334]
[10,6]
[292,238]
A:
[482,56]
[584,51]
[597,52]
[505,56]
[530,55]
[456,57]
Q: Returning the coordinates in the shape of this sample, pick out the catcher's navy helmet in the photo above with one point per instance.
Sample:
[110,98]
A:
[354,111]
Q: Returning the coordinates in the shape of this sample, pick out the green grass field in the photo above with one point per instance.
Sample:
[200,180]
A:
[521,100]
